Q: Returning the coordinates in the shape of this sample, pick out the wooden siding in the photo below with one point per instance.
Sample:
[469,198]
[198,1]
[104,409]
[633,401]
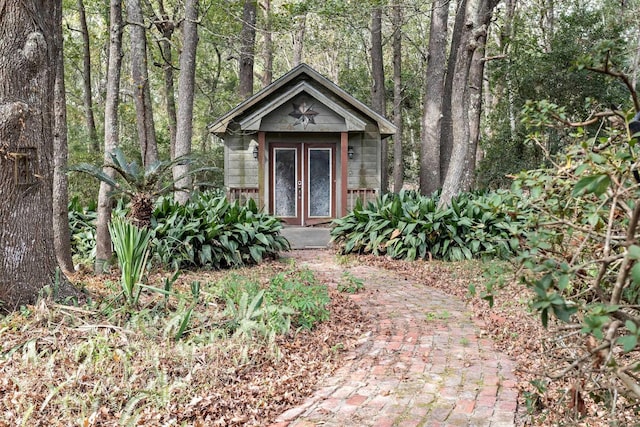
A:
[364,168]
[240,168]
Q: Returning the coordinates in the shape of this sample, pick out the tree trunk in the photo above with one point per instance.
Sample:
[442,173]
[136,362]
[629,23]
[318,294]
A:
[140,76]
[377,89]
[247,53]
[430,159]
[298,38]
[446,130]
[61,232]
[185,97]
[398,164]
[111,135]
[166,26]
[86,66]
[477,18]
[267,49]
[27,75]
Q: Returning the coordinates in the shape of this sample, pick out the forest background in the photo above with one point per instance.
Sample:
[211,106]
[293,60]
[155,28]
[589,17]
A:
[535,50]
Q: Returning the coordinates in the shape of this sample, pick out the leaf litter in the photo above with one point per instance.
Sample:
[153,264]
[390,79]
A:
[65,365]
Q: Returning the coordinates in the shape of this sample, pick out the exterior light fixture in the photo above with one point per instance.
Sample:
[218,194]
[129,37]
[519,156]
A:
[255,152]
[350,152]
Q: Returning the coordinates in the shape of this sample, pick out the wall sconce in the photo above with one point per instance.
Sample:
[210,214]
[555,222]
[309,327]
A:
[255,152]
[350,152]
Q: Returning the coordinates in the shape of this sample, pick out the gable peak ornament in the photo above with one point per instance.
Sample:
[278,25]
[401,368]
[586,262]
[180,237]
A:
[304,114]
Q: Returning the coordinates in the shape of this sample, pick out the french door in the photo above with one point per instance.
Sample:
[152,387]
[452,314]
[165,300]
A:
[303,183]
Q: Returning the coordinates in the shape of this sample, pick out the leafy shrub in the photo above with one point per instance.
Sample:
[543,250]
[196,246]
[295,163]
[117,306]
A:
[209,231]
[300,291]
[410,226]
[582,262]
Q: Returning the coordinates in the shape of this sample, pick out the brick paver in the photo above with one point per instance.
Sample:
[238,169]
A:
[423,364]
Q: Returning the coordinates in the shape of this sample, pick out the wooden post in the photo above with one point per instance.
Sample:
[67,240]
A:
[344,159]
[261,186]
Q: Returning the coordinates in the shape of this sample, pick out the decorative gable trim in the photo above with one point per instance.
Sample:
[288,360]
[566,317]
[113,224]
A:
[252,121]
[220,126]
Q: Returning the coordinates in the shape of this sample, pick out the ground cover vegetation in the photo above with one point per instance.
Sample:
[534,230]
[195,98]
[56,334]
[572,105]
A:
[205,348]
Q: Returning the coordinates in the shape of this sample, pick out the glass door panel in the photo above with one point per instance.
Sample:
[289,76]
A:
[285,173]
[319,181]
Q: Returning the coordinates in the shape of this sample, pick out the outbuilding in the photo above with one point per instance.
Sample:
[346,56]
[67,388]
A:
[303,148]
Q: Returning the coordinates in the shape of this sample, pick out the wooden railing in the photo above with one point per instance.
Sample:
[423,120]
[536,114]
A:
[364,194]
[243,194]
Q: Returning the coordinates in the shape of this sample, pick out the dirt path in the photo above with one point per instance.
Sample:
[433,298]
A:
[423,364]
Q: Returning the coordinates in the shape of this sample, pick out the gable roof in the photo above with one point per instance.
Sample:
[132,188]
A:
[253,119]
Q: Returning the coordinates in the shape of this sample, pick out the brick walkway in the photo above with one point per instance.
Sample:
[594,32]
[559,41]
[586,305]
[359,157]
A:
[424,363]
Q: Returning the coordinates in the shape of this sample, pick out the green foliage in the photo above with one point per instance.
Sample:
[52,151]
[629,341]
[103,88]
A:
[131,245]
[350,284]
[208,231]
[300,300]
[143,185]
[299,290]
[547,68]
[581,259]
[83,231]
[410,226]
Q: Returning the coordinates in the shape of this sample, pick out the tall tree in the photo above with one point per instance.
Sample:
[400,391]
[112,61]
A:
[378,99]
[166,26]
[140,75]
[477,15]
[27,76]
[430,178]
[61,231]
[111,134]
[267,47]
[86,79]
[446,121]
[300,27]
[186,89]
[398,163]
[248,47]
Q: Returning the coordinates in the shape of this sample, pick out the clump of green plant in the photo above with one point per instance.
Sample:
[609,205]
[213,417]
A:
[300,290]
[131,245]
[209,231]
[82,220]
[253,315]
[409,226]
[294,289]
[350,284]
